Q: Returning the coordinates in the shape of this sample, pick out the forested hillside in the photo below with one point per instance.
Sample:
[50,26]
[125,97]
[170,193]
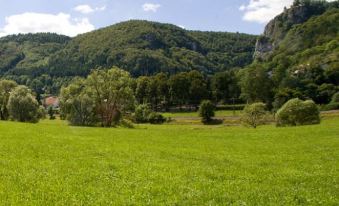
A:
[140,47]
[146,48]
[27,54]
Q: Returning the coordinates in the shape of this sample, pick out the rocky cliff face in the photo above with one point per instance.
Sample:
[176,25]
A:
[276,29]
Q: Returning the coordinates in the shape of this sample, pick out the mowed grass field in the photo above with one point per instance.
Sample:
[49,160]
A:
[51,163]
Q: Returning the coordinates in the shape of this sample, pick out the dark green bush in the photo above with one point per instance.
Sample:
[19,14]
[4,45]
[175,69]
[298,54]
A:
[206,111]
[297,112]
[156,118]
[144,114]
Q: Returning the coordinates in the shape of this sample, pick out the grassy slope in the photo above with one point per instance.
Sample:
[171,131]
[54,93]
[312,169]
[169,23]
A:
[51,163]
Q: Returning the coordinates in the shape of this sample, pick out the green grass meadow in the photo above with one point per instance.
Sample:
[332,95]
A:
[51,163]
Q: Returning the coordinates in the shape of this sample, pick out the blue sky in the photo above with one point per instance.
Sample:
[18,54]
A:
[71,17]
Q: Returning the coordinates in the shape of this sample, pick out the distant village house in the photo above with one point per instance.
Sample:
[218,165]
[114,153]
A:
[51,101]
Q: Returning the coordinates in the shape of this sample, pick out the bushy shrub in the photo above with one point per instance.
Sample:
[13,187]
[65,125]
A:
[156,118]
[126,123]
[142,113]
[331,106]
[22,105]
[206,111]
[335,98]
[254,115]
[42,112]
[297,112]
[334,104]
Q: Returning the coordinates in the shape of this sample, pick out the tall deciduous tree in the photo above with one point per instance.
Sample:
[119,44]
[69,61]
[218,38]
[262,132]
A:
[113,94]
[256,84]
[225,86]
[179,88]
[198,87]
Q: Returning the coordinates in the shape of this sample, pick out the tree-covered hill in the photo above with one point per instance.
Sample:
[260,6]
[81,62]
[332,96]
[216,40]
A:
[146,48]
[140,47]
[28,54]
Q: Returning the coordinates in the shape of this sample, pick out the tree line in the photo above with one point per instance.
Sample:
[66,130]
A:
[109,97]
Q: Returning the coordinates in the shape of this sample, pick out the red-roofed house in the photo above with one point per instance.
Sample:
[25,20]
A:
[51,101]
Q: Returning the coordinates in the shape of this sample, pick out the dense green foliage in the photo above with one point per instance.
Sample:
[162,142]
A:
[51,163]
[296,112]
[187,89]
[25,59]
[103,97]
[22,105]
[206,111]
[225,87]
[254,115]
[76,105]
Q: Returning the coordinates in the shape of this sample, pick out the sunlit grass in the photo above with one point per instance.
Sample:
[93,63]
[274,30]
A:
[51,163]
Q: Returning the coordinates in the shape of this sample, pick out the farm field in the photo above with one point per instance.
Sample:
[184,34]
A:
[51,163]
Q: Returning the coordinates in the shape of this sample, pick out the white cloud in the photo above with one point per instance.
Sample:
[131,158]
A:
[40,22]
[151,7]
[262,11]
[182,26]
[87,9]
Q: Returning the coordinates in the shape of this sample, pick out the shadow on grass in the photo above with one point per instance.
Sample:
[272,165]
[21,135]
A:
[214,122]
